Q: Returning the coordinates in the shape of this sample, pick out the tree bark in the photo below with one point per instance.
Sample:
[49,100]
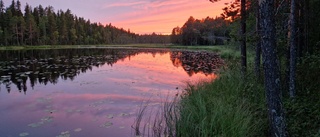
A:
[271,69]
[306,25]
[258,45]
[293,49]
[243,38]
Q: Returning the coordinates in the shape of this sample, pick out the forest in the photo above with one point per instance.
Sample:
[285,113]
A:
[226,27]
[279,43]
[44,26]
[208,31]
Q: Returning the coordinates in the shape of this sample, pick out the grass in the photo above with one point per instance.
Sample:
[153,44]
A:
[225,107]
[228,106]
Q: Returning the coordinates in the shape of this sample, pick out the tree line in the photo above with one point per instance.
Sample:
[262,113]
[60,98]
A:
[43,26]
[208,31]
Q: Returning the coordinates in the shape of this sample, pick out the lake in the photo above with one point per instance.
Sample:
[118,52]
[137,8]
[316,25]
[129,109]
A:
[91,92]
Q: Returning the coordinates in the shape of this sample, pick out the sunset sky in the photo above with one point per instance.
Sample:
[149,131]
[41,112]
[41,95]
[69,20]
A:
[140,16]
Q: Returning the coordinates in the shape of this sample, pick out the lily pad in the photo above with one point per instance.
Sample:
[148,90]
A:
[23,134]
[69,110]
[34,125]
[123,114]
[64,134]
[110,116]
[5,77]
[77,130]
[106,125]
[47,119]
[79,111]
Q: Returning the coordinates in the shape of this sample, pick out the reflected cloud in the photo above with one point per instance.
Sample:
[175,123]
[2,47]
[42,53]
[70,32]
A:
[52,66]
[99,89]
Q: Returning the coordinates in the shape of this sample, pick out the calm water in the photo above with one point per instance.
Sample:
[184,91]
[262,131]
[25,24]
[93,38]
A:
[90,92]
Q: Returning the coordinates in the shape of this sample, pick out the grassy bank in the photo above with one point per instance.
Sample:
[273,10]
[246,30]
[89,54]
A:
[228,106]
[232,107]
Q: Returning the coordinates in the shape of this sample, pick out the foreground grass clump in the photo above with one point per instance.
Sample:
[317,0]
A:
[226,107]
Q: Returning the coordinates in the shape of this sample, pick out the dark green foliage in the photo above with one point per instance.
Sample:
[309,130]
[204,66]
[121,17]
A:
[308,72]
[43,26]
[314,25]
[303,113]
[208,31]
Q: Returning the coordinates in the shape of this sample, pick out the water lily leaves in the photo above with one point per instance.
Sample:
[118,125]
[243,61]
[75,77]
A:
[28,73]
[47,119]
[43,100]
[34,125]
[77,130]
[110,116]
[64,134]
[69,110]
[43,121]
[50,110]
[106,125]
[24,134]
[123,114]
[79,111]
[5,77]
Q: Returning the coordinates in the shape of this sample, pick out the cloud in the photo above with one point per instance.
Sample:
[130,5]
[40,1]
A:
[124,4]
[160,16]
[164,4]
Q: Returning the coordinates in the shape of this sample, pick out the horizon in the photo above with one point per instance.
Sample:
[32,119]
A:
[138,16]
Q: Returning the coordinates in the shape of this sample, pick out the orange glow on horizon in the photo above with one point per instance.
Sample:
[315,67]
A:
[161,19]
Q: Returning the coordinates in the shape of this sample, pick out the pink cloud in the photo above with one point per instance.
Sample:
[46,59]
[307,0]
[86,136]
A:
[124,4]
[162,16]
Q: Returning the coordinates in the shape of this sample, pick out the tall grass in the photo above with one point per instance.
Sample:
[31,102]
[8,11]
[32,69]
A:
[227,107]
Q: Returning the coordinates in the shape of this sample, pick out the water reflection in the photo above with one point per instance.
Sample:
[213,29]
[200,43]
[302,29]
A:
[196,62]
[90,92]
[43,66]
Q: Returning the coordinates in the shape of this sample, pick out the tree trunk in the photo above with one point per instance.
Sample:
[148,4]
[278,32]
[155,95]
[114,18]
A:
[271,69]
[293,49]
[258,45]
[306,25]
[300,27]
[243,38]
